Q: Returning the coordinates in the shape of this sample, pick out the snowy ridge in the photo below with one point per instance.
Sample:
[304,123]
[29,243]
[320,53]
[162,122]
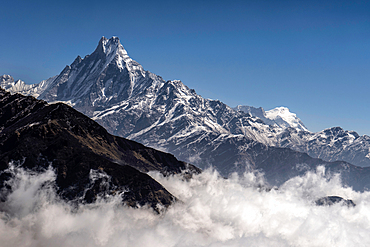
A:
[7,82]
[330,144]
[279,116]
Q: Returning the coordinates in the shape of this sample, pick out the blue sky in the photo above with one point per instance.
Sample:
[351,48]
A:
[310,56]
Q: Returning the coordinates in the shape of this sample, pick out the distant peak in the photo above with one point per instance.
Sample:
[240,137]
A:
[283,113]
[254,111]
[280,111]
[6,78]
[6,81]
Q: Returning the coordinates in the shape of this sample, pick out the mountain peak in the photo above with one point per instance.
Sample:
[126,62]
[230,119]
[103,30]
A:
[105,76]
[280,111]
[282,116]
[6,79]
[112,49]
[254,111]
[114,41]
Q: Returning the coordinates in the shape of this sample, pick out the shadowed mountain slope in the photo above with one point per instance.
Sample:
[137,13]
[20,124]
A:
[39,135]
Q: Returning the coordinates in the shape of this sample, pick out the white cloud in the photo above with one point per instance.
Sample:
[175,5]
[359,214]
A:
[213,212]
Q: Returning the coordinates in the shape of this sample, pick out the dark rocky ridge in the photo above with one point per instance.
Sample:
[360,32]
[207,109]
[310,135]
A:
[331,200]
[40,134]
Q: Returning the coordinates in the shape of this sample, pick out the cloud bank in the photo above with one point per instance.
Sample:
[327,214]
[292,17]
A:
[212,211]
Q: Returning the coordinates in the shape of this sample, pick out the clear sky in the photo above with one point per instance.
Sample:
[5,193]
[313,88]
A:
[310,56]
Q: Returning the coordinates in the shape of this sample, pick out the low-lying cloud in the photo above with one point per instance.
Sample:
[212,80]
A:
[212,211]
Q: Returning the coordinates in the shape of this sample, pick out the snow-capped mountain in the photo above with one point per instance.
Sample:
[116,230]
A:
[128,101]
[115,90]
[7,82]
[279,116]
[329,144]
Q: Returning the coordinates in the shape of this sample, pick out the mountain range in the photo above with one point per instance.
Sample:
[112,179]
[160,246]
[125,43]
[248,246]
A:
[114,90]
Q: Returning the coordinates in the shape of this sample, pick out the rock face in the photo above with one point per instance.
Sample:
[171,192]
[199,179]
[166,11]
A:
[128,101]
[331,200]
[38,134]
